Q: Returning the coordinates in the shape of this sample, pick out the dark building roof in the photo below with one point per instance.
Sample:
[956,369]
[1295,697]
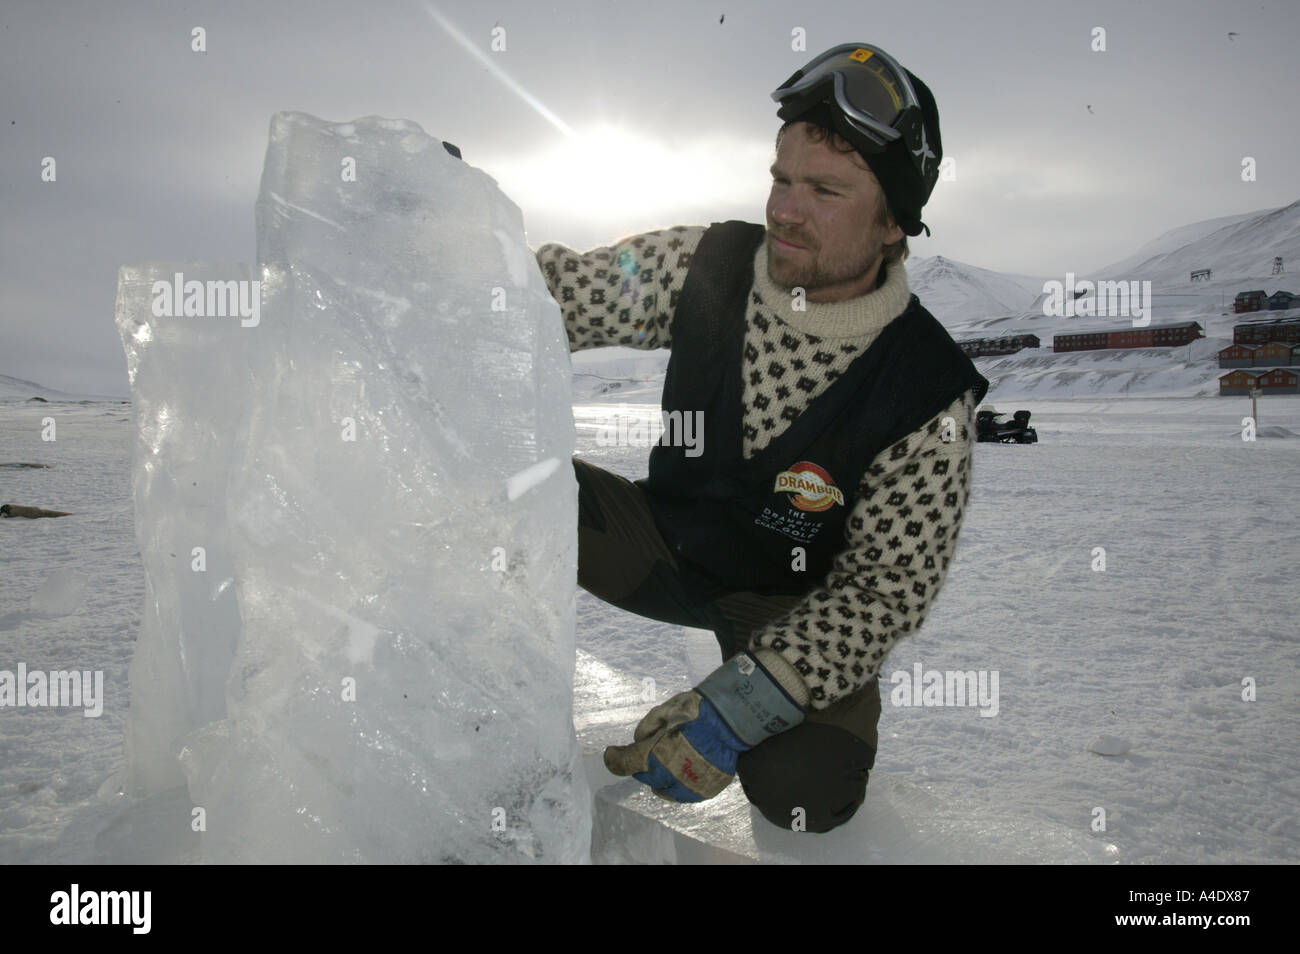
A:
[1256,322]
[1105,331]
[1257,372]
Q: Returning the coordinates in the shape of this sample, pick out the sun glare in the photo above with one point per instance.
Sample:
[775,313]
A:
[612,174]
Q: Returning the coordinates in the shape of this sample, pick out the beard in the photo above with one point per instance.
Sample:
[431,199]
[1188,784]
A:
[813,269]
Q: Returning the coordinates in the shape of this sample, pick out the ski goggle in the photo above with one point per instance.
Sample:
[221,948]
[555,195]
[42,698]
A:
[874,95]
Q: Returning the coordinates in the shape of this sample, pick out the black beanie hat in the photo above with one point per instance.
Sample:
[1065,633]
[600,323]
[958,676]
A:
[906,190]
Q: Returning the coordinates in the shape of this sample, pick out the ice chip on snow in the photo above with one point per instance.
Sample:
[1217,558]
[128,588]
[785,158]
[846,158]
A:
[1109,745]
[61,594]
[400,688]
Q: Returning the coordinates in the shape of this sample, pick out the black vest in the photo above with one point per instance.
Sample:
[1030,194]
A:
[734,524]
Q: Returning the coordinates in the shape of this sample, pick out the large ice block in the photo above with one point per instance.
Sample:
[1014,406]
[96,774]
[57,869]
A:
[402,519]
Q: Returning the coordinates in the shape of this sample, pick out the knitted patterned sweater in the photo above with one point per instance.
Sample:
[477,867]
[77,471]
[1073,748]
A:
[902,531]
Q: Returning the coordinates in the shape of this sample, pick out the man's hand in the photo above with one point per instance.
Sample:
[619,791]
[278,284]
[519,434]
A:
[686,748]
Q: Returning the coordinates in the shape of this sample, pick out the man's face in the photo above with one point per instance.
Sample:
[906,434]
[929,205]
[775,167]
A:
[823,220]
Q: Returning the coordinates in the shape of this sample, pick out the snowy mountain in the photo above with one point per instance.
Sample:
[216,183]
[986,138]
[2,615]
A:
[974,302]
[1237,248]
[953,291]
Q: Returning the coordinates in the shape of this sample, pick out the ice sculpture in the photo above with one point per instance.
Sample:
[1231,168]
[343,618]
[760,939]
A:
[399,513]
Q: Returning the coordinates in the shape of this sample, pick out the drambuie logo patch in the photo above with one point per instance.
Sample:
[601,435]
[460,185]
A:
[811,487]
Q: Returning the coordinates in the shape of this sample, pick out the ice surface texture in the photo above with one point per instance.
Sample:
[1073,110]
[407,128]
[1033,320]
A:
[394,437]
[189,379]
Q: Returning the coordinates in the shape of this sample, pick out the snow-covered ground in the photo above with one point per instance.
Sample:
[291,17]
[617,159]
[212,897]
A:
[53,761]
[1198,594]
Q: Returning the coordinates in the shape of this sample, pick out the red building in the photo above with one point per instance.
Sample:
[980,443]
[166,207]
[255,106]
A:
[1250,301]
[1153,336]
[1271,355]
[1279,381]
[1236,383]
[1274,381]
[1237,356]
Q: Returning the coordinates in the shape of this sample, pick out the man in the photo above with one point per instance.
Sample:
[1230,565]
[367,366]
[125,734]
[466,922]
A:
[817,526]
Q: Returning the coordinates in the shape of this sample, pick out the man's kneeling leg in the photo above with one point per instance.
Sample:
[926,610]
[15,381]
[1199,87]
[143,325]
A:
[811,778]
[820,766]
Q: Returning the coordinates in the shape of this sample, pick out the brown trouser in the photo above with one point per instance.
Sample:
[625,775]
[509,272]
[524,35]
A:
[821,765]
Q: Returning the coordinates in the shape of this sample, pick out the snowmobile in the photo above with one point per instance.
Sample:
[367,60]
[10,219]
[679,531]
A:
[1014,431]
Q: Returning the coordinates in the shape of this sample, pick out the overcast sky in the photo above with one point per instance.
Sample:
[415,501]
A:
[642,115]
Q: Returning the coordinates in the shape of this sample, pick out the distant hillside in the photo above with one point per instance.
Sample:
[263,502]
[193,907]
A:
[954,291]
[1237,248]
[16,390]
[619,374]
[1176,238]
[1189,371]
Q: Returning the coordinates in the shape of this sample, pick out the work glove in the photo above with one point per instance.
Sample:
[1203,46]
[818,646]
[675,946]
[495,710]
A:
[686,748]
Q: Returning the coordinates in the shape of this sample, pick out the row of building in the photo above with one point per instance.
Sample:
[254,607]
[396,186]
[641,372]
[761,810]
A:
[1271,344]
[1260,300]
[1272,381]
[1008,344]
[1273,354]
[1153,336]
[1265,330]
